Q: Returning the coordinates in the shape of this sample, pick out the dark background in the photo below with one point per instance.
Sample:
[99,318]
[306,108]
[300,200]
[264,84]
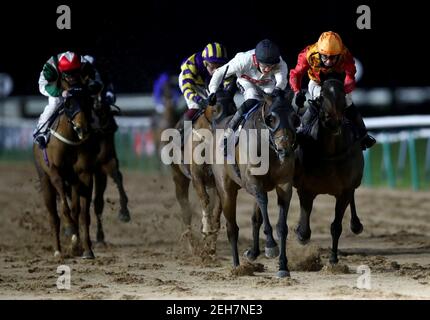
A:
[136,40]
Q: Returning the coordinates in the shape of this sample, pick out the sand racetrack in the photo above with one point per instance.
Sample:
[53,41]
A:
[145,258]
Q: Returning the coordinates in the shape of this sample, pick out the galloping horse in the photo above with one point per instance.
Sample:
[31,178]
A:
[201,175]
[107,163]
[279,118]
[331,164]
[161,122]
[65,168]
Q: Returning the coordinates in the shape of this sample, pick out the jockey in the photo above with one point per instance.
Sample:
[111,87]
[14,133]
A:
[165,87]
[107,95]
[328,56]
[59,73]
[259,70]
[196,72]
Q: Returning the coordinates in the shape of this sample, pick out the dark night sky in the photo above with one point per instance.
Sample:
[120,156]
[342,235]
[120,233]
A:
[139,39]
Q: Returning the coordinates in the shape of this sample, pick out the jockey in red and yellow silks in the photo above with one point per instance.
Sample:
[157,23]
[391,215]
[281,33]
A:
[326,57]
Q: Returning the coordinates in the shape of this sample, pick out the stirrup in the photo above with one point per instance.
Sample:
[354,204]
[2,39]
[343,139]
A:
[40,139]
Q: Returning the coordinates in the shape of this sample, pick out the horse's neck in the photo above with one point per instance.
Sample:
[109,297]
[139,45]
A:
[331,144]
[64,127]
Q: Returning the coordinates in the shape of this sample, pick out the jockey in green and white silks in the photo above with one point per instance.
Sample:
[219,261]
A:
[59,73]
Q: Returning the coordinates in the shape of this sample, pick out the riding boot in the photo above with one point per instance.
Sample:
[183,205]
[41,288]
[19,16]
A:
[352,114]
[307,120]
[189,115]
[237,118]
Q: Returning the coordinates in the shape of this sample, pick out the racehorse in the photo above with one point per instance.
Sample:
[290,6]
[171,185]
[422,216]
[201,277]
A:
[65,168]
[201,174]
[279,119]
[161,122]
[330,163]
[107,164]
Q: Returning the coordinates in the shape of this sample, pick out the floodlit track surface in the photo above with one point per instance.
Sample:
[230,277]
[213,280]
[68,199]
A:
[145,259]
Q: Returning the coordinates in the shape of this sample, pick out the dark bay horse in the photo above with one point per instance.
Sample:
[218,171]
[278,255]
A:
[201,175]
[107,164]
[278,118]
[330,164]
[65,168]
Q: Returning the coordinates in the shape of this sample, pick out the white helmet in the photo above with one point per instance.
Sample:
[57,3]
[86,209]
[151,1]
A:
[89,58]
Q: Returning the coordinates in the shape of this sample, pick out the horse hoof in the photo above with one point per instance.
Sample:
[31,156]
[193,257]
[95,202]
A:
[271,252]
[249,255]
[124,216]
[356,228]
[283,274]
[57,254]
[302,239]
[101,244]
[88,255]
[333,260]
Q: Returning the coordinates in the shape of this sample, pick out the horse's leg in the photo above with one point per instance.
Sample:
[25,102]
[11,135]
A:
[284,193]
[50,198]
[257,221]
[228,199]
[85,192]
[207,203]
[342,203]
[271,250]
[216,223]
[100,181]
[303,230]
[112,169]
[76,209]
[182,184]
[57,182]
[355,224]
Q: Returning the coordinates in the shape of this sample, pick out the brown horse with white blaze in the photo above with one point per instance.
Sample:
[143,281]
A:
[65,168]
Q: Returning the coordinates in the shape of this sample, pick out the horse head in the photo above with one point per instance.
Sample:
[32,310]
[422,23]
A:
[77,108]
[282,121]
[332,105]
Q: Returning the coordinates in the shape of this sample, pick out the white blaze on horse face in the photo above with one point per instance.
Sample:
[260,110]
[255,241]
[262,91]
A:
[173,147]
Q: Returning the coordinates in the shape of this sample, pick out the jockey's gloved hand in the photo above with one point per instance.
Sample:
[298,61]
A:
[277,92]
[109,98]
[300,99]
[203,103]
[211,100]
